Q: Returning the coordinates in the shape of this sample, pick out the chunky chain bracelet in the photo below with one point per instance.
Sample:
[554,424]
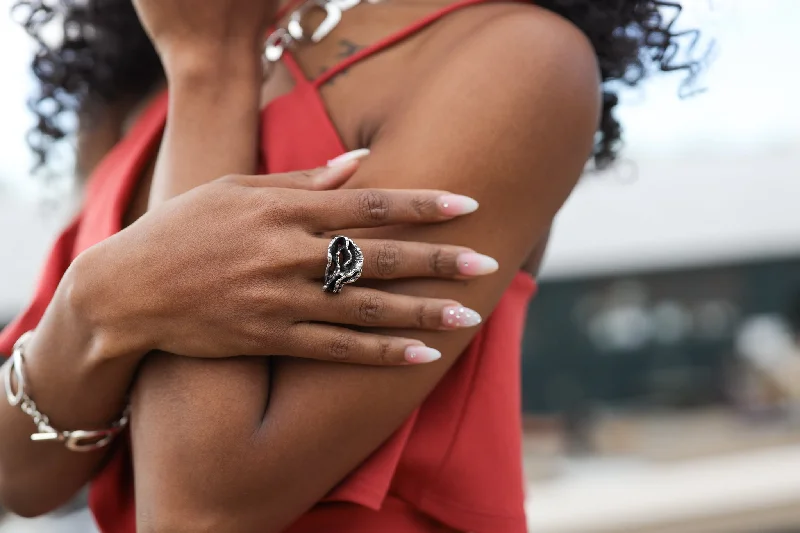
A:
[77,441]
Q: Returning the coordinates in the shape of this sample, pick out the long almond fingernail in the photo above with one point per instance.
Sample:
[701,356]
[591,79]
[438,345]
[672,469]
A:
[456,316]
[456,205]
[421,354]
[475,264]
[345,158]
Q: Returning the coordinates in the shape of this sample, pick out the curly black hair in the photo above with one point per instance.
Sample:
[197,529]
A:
[105,55]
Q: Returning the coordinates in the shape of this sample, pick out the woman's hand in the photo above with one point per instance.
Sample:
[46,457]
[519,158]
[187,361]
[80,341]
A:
[213,33]
[235,267]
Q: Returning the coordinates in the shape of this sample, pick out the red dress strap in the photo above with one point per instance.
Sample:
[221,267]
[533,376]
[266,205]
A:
[392,39]
[294,68]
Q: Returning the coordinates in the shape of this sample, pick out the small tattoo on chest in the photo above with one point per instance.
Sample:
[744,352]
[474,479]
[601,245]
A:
[347,49]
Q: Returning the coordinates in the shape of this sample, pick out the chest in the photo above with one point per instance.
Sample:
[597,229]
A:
[302,125]
[352,105]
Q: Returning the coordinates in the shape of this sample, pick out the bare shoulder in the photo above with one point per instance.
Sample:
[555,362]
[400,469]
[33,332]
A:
[514,83]
[535,39]
[527,56]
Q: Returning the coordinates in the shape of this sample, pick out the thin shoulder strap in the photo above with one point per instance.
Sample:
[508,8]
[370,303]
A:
[389,41]
[294,68]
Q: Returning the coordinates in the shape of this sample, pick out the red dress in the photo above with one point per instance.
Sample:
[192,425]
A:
[456,461]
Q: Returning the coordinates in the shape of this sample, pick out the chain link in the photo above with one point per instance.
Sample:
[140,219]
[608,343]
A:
[78,441]
[293,32]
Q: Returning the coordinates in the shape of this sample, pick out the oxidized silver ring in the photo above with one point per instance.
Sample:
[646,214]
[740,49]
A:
[345,264]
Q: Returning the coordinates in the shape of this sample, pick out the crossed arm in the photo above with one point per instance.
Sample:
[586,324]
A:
[234,445]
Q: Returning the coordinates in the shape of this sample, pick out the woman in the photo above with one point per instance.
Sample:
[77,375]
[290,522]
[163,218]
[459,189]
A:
[287,442]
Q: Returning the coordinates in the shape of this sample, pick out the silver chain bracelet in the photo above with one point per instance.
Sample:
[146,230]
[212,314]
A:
[77,441]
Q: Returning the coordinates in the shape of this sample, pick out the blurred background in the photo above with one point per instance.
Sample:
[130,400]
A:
[662,356]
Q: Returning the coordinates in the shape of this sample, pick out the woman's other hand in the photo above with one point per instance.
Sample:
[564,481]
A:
[235,267]
[206,35]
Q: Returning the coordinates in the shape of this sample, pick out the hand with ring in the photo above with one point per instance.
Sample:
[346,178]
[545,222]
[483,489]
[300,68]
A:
[238,267]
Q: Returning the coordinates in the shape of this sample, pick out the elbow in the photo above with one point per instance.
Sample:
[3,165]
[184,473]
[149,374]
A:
[26,510]
[22,503]
[231,503]
[177,521]
[25,494]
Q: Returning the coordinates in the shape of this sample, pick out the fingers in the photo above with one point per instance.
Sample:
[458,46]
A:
[386,259]
[341,345]
[356,306]
[332,176]
[353,155]
[368,208]
[316,179]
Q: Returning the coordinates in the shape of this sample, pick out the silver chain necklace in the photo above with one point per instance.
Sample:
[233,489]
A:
[292,34]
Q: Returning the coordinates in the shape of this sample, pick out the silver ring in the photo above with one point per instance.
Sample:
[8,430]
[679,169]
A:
[345,264]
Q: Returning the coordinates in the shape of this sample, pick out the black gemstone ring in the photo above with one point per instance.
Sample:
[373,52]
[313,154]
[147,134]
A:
[345,264]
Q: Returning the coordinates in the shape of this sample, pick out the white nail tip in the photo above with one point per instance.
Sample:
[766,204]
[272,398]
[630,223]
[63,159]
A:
[421,354]
[354,155]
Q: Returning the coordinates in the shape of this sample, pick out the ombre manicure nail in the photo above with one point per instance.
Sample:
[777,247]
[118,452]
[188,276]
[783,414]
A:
[456,205]
[421,354]
[345,158]
[456,316]
[475,264]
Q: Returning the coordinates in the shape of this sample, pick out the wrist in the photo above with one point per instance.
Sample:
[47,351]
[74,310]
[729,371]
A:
[101,311]
[213,65]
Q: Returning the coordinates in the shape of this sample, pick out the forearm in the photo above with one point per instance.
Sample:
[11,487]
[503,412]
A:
[323,420]
[188,469]
[212,128]
[212,131]
[77,376]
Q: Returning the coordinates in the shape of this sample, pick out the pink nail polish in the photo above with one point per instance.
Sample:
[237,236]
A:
[454,205]
[475,264]
[421,354]
[456,316]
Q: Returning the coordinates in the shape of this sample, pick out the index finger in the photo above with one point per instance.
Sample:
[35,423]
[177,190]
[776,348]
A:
[321,178]
[369,208]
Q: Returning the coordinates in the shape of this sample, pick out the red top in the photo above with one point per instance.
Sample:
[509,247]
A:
[457,460]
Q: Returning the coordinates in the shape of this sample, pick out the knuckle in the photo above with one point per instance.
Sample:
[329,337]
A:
[341,347]
[373,206]
[384,352]
[370,309]
[387,260]
[277,210]
[423,206]
[257,338]
[441,263]
[427,316]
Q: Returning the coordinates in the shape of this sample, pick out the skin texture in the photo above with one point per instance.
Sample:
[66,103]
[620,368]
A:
[261,422]
[129,295]
[88,358]
[532,155]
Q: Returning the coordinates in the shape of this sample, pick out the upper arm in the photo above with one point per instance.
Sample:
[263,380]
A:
[509,121]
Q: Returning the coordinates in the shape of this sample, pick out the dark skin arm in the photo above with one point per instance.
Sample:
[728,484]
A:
[249,457]
[77,377]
